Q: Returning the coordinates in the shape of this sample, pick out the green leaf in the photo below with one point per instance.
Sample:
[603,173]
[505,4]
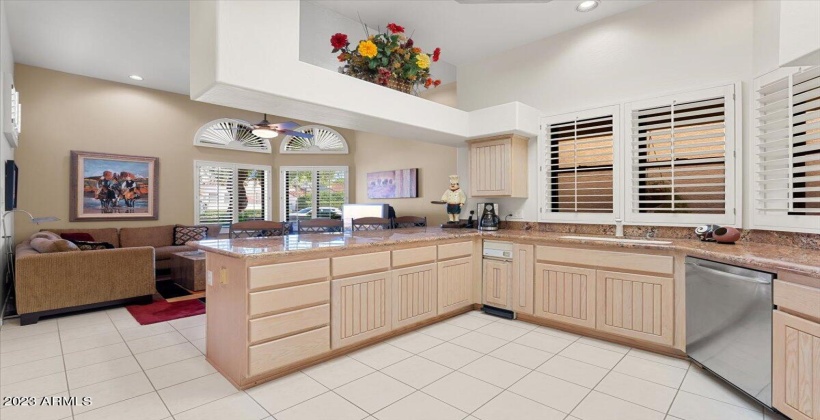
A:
[384,61]
[372,64]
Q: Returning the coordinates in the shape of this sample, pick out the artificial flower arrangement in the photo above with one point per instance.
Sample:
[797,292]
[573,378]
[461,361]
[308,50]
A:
[386,58]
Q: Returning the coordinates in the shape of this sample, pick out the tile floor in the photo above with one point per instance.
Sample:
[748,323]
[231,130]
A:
[469,367]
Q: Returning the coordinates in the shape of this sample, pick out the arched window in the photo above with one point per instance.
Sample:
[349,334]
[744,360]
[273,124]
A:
[233,134]
[324,140]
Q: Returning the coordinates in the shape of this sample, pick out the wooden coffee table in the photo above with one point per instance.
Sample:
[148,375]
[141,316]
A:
[188,269]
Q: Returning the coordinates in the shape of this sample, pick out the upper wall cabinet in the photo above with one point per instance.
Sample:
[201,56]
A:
[498,166]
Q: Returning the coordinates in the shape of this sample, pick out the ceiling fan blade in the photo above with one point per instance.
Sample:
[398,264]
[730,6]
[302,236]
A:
[296,134]
[287,125]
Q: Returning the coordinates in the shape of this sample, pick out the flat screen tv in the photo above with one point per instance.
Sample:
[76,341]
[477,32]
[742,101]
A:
[11,185]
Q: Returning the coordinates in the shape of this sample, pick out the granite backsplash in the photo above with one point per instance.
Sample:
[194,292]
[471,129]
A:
[793,239]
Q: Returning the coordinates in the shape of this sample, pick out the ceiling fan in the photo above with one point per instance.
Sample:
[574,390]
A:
[266,130]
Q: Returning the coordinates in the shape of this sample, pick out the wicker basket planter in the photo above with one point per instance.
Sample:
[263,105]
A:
[392,83]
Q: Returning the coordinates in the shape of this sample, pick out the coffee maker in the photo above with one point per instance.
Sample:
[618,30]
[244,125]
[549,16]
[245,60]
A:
[489,219]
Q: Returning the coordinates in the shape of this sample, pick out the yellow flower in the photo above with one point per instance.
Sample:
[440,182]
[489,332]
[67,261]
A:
[423,61]
[368,49]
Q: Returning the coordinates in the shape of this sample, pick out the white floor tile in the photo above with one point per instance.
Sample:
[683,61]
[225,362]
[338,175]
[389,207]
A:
[702,383]
[92,342]
[83,320]
[651,371]
[469,322]
[481,314]
[86,331]
[200,345]
[286,392]
[481,343]
[30,355]
[40,411]
[118,312]
[327,406]
[550,391]
[659,358]
[618,348]
[339,371]
[188,322]
[124,323]
[194,333]
[112,391]
[543,342]
[571,370]
[521,355]
[638,391]
[146,331]
[557,333]
[11,329]
[451,355]
[461,391]
[495,371]
[96,355]
[444,331]
[507,406]
[26,343]
[154,342]
[31,370]
[178,372]
[144,407]
[415,342]
[380,356]
[238,406]
[167,355]
[502,331]
[597,406]
[100,372]
[374,392]
[418,406]
[196,392]
[45,385]
[516,323]
[695,407]
[593,355]
[417,372]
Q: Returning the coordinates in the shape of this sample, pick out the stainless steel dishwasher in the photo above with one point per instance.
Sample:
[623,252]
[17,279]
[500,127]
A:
[729,324]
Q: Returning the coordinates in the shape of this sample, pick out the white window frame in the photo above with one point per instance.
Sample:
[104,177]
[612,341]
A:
[283,211]
[789,223]
[733,149]
[544,186]
[235,167]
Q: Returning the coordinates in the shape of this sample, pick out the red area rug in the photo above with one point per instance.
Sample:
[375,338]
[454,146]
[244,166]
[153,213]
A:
[162,310]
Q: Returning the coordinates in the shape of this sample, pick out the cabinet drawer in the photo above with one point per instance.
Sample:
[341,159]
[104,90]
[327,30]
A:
[279,353]
[797,298]
[661,264]
[364,263]
[283,324]
[276,275]
[412,256]
[460,249]
[279,300]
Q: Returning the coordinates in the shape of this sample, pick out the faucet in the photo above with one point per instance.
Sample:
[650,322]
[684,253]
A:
[619,228]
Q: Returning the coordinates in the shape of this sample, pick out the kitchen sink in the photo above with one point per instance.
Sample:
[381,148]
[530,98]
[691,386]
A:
[624,240]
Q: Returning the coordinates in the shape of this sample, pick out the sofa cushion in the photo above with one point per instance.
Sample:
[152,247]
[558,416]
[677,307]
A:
[45,234]
[155,236]
[93,246]
[47,246]
[109,235]
[164,252]
[183,234]
[78,236]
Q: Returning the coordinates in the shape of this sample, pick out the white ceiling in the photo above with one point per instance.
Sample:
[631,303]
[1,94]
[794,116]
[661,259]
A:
[470,32]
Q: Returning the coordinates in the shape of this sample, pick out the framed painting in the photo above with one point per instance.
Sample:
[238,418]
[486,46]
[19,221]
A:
[401,183]
[113,187]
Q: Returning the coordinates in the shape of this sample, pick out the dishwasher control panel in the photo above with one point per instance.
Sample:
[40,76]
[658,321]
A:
[498,249]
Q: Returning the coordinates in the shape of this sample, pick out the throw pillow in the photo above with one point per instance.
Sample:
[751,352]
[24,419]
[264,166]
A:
[92,246]
[46,235]
[46,246]
[77,236]
[183,234]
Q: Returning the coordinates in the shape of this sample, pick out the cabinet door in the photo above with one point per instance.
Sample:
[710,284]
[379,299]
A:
[490,169]
[796,366]
[360,308]
[565,294]
[455,284]
[522,278]
[635,306]
[414,294]
[497,281]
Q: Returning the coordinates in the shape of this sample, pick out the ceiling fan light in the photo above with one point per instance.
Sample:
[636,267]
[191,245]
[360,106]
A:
[587,5]
[264,132]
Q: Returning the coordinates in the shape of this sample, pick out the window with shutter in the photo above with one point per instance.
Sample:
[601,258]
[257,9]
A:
[313,192]
[578,167]
[680,159]
[787,150]
[226,193]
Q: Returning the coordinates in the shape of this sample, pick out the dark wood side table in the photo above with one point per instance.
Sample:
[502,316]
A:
[188,269]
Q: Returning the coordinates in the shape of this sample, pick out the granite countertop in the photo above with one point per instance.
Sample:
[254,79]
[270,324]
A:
[756,255]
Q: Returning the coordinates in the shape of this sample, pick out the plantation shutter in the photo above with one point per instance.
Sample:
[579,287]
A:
[252,193]
[680,157]
[308,193]
[298,192]
[787,151]
[215,194]
[331,186]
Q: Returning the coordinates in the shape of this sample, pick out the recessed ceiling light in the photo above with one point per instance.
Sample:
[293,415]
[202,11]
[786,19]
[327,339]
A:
[139,78]
[587,5]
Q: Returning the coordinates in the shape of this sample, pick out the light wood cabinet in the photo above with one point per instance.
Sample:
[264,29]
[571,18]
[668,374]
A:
[455,284]
[497,282]
[565,294]
[635,306]
[796,366]
[360,308]
[414,294]
[498,166]
[523,278]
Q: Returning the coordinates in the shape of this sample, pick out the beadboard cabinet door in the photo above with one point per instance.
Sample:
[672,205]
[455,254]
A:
[796,366]
[565,294]
[498,166]
[497,283]
[361,308]
[635,306]
[455,284]
[414,294]
[523,278]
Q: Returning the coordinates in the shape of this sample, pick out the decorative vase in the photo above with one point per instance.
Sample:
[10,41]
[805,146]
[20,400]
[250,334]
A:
[726,235]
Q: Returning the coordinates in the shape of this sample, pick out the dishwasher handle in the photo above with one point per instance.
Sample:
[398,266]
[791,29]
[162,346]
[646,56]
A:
[735,276]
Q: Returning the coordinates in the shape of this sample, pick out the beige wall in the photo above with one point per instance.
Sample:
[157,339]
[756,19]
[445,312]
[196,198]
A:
[444,94]
[67,112]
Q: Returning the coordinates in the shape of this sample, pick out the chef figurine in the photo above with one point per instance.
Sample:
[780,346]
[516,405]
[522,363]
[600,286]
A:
[454,198]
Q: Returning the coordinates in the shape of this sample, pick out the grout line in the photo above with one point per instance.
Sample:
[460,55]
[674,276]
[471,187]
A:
[677,392]
[65,370]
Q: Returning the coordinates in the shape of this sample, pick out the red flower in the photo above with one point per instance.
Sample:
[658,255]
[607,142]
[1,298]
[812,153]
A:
[396,29]
[342,57]
[338,41]
[436,54]
[436,83]
[409,43]
[428,82]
